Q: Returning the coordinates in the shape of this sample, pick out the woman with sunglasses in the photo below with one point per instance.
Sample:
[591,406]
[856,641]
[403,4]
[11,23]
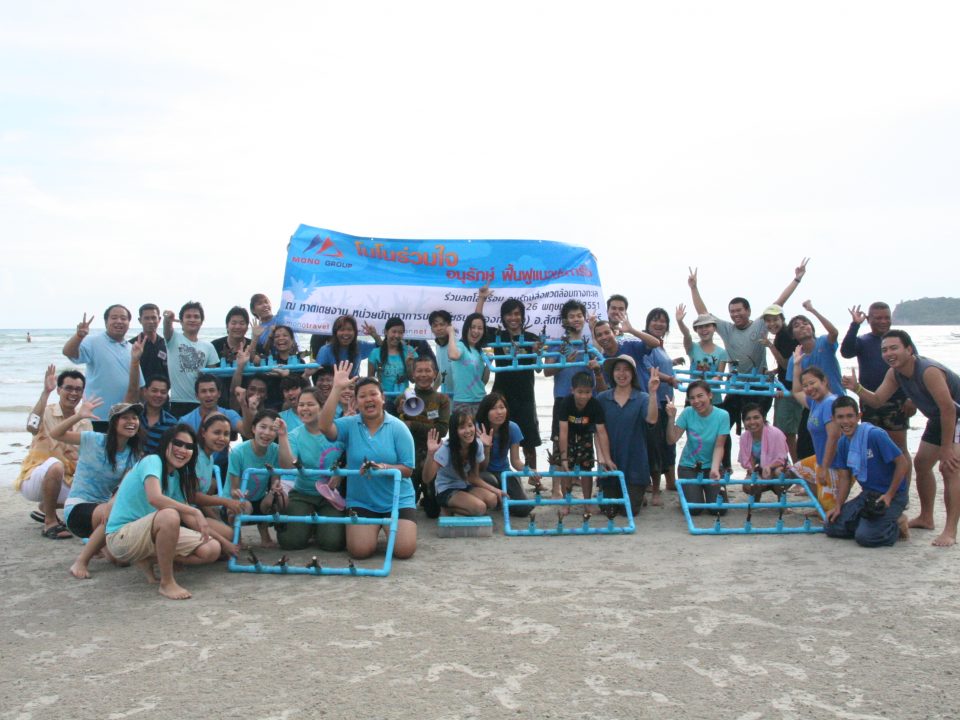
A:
[151,520]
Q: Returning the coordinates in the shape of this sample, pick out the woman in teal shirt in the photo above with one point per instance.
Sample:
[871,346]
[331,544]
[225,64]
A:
[146,524]
[470,373]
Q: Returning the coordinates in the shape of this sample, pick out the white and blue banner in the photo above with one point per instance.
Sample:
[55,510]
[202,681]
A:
[331,274]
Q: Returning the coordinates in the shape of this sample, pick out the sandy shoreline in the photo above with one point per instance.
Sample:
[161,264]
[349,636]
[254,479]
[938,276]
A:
[658,624]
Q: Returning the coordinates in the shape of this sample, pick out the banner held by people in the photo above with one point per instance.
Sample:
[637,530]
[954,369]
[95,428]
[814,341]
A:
[329,274]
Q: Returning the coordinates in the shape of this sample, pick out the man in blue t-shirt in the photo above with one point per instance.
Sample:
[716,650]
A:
[866,453]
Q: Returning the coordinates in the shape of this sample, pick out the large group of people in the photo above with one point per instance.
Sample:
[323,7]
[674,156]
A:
[145,452]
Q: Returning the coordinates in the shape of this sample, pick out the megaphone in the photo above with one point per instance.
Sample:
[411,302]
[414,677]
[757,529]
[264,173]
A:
[412,404]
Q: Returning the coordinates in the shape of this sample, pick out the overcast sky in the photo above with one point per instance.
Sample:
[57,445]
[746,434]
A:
[167,151]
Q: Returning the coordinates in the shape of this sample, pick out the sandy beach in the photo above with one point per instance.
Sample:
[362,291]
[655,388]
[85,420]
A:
[656,624]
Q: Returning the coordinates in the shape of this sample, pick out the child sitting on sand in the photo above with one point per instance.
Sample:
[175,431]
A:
[581,417]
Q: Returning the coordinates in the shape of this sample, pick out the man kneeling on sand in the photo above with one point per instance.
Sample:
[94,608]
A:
[875,517]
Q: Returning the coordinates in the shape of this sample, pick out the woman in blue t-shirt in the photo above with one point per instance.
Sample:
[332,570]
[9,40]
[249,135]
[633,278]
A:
[104,459]
[151,521]
[344,346]
[812,390]
[503,453]
[392,362]
[707,428]
[470,372]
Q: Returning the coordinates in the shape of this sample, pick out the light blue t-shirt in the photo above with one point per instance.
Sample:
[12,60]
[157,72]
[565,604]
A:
[392,443]
[95,478]
[131,503]
[205,477]
[393,374]
[443,366]
[821,414]
[315,453]
[824,356]
[447,477]
[500,457]
[704,362]
[242,458]
[327,356]
[291,418]
[107,370]
[702,433]
[468,375]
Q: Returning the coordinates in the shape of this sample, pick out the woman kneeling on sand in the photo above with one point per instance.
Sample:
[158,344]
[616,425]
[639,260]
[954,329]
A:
[151,504]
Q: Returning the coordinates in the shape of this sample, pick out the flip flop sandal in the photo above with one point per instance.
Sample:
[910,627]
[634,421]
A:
[38,516]
[55,532]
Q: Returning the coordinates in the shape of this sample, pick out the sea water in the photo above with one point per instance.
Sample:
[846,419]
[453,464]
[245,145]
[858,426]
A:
[22,367]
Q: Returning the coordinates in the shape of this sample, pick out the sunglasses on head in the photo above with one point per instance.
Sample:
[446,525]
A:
[183,444]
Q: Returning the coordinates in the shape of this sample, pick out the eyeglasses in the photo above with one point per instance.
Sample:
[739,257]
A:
[71,388]
[183,444]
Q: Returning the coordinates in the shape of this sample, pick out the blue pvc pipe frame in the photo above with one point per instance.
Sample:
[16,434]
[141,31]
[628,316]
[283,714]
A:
[733,383]
[561,358]
[225,369]
[748,529]
[390,522]
[584,529]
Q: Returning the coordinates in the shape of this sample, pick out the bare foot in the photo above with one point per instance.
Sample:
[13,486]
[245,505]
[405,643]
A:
[945,540]
[173,591]
[655,500]
[904,527]
[269,544]
[146,567]
[922,523]
[79,570]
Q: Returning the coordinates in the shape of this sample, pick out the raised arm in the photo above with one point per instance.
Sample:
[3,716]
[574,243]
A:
[453,352]
[674,432]
[71,348]
[285,456]
[695,292]
[832,332]
[341,381]
[653,407]
[482,295]
[35,419]
[848,348]
[648,339]
[687,338]
[798,274]
[168,324]
[85,411]
[430,466]
[796,387]
[133,378]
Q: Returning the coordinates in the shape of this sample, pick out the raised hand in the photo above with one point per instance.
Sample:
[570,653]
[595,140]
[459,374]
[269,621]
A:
[136,349]
[670,409]
[850,381]
[625,325]
[87,409]
[341,375]
[433,441]
[681,313]
[808,305]
[484,435]
[857,315]
[253,402]
[240,393]
[797,356]
[83,327]
[484,292]
[169,315]
[801,269]
[243,357]
[50,379]
[654,382]
[256,329]
[692,278]
[281,427]
[369,329]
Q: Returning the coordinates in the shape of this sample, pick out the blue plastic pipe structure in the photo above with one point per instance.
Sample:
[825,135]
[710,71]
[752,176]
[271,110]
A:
[316,569]
[733,383]
[748,529]
[226,369]
[584,528]
[555,350]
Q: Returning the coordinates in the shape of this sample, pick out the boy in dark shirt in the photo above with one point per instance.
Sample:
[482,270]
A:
[581,417]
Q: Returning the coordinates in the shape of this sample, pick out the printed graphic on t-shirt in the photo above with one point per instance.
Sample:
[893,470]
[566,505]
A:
[190,358]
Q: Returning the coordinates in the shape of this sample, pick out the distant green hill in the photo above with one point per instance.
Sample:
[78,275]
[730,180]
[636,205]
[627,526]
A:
[927,311]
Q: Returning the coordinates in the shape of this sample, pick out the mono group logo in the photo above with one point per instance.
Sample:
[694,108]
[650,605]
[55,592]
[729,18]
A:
[325,247]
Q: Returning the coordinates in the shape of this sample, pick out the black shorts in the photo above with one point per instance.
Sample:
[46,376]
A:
[404,514]
[580,451]
[934,430]
[80,519]
[889,416]
[661,455]
[443,499]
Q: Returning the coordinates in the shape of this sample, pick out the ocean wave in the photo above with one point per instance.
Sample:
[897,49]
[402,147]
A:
[15,409]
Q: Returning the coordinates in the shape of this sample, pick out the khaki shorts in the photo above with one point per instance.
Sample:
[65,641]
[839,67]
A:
[134,541]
